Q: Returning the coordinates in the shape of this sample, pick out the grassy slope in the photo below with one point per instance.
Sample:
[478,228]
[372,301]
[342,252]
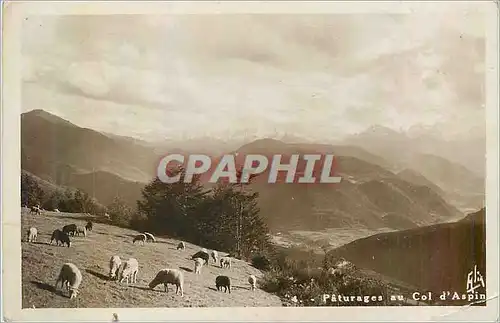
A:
[41,264]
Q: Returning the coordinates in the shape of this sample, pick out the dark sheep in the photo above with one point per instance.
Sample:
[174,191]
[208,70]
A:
[89,226]
[56,234]
[223,281]
[203,255]
[70,229]
[60,236]
[140,237]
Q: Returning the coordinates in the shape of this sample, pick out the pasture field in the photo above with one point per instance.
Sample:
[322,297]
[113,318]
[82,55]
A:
[41,263]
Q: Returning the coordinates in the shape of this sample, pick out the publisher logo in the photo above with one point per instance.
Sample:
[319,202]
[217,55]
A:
[474,281]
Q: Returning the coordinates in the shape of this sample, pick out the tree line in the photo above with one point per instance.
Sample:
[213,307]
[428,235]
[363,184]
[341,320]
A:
[63,199]
[224,217]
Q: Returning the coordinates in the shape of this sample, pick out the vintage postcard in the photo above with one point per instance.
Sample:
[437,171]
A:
[250,161]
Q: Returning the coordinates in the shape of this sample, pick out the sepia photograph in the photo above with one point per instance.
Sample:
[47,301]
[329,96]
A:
[261,160]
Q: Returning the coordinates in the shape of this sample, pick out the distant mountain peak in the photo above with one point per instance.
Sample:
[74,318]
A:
[382,130]
[266,142]
[40,113]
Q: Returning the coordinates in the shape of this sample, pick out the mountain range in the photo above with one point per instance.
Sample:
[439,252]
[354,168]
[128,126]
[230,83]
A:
[373,192]
[457,166]
[56,149]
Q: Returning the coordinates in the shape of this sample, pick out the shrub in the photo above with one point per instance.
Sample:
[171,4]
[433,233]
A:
[120,214]
[261,262]
[31,192]
[302,283]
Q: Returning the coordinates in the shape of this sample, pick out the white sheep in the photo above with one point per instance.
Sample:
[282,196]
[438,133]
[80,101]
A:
[214,255]
[198,263]
[169,276]
[149,237]
[32,234]
[225,262]
[181,246]
[56,210]
[252,280]
[114,266]
[71,277]
[130,270]
[81,230]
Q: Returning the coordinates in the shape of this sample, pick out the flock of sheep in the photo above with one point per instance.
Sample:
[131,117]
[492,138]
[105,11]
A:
[126,271]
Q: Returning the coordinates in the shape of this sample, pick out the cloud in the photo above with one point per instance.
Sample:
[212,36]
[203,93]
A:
[317,76]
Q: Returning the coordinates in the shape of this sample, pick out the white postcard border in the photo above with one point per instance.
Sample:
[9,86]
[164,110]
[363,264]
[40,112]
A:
[15,12]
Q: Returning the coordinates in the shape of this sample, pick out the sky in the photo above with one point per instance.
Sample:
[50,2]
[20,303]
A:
[318,77]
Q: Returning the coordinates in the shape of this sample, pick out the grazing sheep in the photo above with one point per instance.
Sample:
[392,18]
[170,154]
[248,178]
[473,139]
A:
[89,226]
[71,277]
[81,230]
[140,237]
[149,237]
[214,255]
[35,209]
[169,276]
[198,263]
[70,229]
[252,280]
[181,246]
[202,255]
[114,265]
[106,215]
[225,262]
[223,281]
[60,236]
[32,234]
[130,270]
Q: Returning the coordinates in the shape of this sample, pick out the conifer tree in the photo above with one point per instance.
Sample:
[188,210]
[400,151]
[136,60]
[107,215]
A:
[170,208]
